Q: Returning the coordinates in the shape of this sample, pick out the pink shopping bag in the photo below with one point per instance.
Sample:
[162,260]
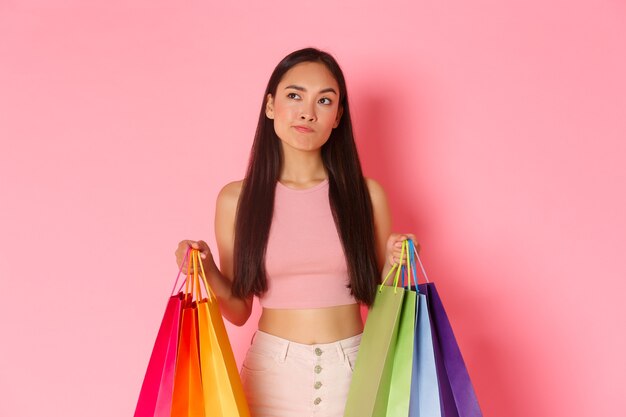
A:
[155,397]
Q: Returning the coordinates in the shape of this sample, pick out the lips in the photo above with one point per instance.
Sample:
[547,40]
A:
[303,129]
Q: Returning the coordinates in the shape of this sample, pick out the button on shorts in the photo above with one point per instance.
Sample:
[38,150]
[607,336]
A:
[282,378]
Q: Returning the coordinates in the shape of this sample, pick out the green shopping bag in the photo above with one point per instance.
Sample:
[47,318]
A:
[400,381]
[381,381]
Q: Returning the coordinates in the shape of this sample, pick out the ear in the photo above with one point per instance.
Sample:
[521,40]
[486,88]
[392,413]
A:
[269,107]
[338,119]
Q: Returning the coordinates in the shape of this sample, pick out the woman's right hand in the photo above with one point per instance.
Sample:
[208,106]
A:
[181,250]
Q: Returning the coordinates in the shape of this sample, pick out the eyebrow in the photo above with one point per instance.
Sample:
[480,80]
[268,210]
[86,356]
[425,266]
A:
[299,88]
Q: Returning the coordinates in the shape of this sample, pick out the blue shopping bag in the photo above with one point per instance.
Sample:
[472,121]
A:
[456,392]
[425,399]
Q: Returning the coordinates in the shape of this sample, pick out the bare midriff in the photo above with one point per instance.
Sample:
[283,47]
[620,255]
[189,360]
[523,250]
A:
[314,325]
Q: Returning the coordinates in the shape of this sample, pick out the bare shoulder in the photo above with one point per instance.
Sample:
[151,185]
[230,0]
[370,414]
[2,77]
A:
[377,192]
[225,217]
[228,196]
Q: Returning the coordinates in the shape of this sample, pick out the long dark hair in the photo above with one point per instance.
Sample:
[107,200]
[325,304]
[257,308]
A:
[348,194]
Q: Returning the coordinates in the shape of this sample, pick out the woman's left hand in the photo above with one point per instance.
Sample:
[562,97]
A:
[394,247]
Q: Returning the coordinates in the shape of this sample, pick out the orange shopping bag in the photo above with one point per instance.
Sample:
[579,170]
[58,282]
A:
[221,384]
[188,399]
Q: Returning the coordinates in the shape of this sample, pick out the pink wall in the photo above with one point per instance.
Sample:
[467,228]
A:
[498,129]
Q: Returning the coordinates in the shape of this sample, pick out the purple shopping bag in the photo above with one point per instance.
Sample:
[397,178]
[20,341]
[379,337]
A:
[458,398]
[155,397]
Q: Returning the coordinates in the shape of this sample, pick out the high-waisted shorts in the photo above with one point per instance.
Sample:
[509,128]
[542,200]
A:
[282,378]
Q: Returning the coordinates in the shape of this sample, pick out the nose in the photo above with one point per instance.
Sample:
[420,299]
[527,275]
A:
[308,112]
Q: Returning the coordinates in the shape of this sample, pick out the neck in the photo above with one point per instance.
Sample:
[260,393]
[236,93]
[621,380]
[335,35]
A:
[302,168]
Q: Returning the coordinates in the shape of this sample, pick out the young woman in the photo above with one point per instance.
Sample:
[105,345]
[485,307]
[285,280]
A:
[307,234]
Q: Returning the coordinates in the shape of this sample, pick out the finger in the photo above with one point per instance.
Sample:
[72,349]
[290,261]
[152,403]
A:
[399,258]
[204,249]
[398,241]
[398,262]
[190,244]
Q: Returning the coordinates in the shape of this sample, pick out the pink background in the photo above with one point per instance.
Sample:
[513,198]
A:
[498,129]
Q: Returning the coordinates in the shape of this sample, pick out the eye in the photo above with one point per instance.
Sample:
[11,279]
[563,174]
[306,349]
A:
[328,101]
[293,95]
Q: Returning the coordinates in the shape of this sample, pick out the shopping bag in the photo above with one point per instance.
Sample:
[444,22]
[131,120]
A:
[425,398]
[188,400]
[155,397]
[221,385]
[400,383]
[457,395]
[369,389]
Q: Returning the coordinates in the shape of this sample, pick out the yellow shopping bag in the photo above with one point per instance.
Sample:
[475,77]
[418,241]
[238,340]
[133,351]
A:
[221,385]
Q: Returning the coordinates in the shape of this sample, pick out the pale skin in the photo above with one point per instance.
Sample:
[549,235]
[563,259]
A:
[306,96]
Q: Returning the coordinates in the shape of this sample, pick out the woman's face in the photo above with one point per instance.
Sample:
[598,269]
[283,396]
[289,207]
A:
[306,107]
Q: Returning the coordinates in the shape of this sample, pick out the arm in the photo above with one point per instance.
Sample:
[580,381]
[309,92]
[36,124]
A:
[382,224]
[388,245]
[236,310]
